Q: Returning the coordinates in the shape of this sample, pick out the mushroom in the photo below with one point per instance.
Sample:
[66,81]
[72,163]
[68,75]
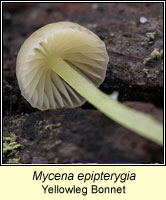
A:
[62,64]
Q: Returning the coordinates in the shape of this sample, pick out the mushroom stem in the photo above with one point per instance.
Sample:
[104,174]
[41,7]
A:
[138,122]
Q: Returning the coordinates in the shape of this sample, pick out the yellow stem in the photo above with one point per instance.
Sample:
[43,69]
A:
[138,122]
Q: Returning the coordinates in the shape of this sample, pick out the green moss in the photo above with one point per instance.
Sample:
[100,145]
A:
[40,123]
[149,75]
[156,71]
[45,125]
[145,70]
[155,55]
[49,126]
[58,125]
[132,23]
[146,60]
[57,142]
[112,34]
[150,42]
[14,161]
[151,36]
[41,131]
[161,53]
[126,43]
[95,25]
[11,148]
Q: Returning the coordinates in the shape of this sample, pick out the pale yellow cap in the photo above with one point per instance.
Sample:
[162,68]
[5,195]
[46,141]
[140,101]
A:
[77,46]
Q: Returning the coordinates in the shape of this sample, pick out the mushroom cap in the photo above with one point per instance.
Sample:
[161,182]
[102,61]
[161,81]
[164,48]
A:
[77,46]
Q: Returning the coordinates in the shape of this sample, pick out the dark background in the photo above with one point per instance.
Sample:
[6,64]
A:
[84,135]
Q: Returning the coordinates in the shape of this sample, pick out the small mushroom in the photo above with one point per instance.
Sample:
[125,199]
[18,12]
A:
[51,47]
[62,64]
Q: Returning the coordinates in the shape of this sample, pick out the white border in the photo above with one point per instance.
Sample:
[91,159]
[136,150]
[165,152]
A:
[2,83]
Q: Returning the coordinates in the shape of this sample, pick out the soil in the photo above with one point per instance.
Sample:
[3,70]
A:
[84,135]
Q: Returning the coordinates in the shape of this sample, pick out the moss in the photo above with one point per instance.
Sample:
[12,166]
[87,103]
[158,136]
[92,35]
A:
[95,25]
[112,34]
[156,71]
[155,55]
[146,60]
[126,43]
[151,36]
[45,125]
[14,161]
[149,76]
[49,126]
[11,147]
[41,131]
[161,53]
[57,142]
[150,42]
[142,43]
[40,123]
[58,125]
[145,70]
[132,23]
